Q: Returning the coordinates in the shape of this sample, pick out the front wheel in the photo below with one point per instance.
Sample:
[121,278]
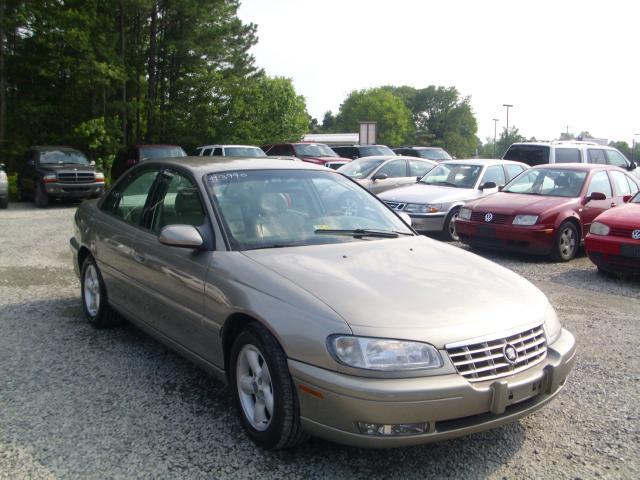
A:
[566,242]
[4,202]
[264,392]
[449,230]
[94,297]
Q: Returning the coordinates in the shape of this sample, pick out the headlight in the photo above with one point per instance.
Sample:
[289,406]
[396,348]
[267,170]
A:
[465,213]
[417,208]
[99,177]
[525,220]
[383,354]
[598,228]
[50,178]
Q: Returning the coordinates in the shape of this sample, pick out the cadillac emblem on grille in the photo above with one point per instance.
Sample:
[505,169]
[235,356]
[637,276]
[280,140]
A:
[510,353]
[488,217]
[635,234]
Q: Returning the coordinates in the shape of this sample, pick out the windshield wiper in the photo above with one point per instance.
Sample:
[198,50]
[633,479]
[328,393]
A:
[448,184]
[278,245]
[360,232]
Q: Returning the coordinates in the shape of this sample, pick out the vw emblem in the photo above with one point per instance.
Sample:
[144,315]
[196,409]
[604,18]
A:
[488,217]
[510,353]
[635,234]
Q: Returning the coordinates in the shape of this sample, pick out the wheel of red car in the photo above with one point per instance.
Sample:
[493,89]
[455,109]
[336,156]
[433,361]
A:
[566,242]
[263,390]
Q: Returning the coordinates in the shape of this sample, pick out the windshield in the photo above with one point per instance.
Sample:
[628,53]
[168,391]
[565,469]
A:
[453,175]
[280,208]
[433,154]
[372,150]
[359,169]
[313,150]
[552,182]
[162,152]
[60,157]
[244,152]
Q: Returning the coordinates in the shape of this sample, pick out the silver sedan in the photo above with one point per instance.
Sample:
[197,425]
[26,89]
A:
[336,325]
[435,201]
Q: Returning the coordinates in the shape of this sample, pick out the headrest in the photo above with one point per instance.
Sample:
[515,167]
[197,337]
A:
[187,201]
[562,181]
[273,203]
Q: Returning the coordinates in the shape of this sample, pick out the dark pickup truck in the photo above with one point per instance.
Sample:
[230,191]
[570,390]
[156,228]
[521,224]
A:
[57,172]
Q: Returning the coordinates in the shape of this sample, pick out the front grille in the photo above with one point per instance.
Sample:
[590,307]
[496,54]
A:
[622,232]
[76,177]
[496,218]
[396,205]
[487,360]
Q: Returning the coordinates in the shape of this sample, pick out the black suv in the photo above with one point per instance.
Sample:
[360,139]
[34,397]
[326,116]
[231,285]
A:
[436,154]
[357,151]
[57,172]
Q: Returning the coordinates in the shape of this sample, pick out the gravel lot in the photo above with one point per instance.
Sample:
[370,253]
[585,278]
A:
[77,402]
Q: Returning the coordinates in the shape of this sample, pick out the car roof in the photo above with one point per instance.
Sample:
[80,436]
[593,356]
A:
[54,147]
[203,165]
[142,145]
[393,157]
[226,146]
[483,161]
[562,144]
[577,166]
[420,148]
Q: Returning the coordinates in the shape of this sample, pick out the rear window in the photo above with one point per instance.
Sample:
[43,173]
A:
[568,155]
[532,155]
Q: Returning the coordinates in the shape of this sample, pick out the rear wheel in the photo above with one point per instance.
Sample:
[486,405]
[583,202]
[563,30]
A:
[19,191]
[263,390]
[566,242]
[40,197]
[94,297]
[4,203]
[449,230]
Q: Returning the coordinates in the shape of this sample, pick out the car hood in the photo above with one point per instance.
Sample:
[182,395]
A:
[54,168]
[421,193]
[411,288]
[627,215]
[323,160]
[518,203]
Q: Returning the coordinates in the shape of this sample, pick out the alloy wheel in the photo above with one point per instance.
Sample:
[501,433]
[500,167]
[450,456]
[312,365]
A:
[452,227]
[567,242]
[255,388]
[91,291]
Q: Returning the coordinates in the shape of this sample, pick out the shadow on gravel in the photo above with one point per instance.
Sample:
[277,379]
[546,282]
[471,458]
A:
[54,204]
[115,403]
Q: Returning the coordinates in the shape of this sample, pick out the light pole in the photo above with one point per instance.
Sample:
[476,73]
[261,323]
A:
[508,107]
[495,130]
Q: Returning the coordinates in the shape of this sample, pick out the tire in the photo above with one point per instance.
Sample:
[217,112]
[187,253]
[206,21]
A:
[449,229]
[566,243]
[94,297]
[19,191]
[40,197]
[4,203]
[256,387]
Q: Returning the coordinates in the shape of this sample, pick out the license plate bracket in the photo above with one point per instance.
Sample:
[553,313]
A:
[632,251]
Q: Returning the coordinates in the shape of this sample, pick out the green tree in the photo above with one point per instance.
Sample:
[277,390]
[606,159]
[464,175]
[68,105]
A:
[623,147]
[378,105]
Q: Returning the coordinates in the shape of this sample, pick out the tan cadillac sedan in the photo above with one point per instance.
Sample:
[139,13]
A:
[326,321]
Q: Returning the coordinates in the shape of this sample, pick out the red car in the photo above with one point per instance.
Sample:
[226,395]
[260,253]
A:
[546,210]
[317,153]
[613,241]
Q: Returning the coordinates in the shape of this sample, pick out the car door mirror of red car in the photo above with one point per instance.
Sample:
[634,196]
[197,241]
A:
[626,198]
[596,196]
[380,176]
[488,185]
[184,236]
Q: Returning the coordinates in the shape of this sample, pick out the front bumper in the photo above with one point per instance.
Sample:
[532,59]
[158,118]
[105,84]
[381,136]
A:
[535,239]
[428,222]
[452,405]
[613,253]
[73,190]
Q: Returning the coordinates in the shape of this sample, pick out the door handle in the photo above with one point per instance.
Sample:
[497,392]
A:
[139,257]
[613,204]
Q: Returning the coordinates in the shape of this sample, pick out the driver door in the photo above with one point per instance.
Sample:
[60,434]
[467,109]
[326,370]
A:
[599,182]
[396,172]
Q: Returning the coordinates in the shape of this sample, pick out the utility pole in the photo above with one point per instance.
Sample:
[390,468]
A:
[508,107]
[495,131]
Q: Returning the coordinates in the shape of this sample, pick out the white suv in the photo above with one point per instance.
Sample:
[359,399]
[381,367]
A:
[230,151]
[540,153]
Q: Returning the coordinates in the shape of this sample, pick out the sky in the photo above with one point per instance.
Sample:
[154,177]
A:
[560,63]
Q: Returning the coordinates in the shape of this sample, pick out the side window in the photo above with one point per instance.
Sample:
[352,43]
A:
[494,174]
[620,182]
[206,152]
[600,183]
[128,199]
[633,187]
[597,156]
[395,169]
[217,152]
[277,150]
[617,159]
[418,168]
[568,155]
[179,203]
[513,171]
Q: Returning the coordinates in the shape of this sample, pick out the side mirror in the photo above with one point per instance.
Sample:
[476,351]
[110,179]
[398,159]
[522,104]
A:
[355,157]
[418,178]
[596,196]
[185,236]
[632,165]
[500,188]
[626,198]
[405,217]
[488,185]
[92,163]
[380,176]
